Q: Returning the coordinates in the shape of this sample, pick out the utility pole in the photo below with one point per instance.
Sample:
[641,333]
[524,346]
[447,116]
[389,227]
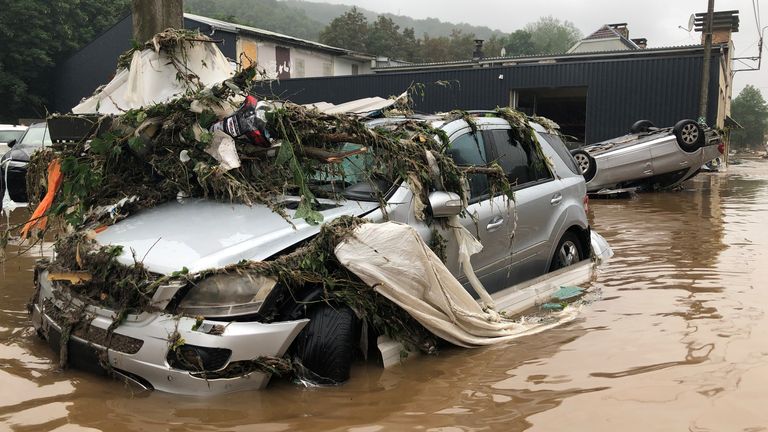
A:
[704,96]
[153,16]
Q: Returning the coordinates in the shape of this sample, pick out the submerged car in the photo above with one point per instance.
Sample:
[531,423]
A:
[13,165]
[241,318]
[648,157]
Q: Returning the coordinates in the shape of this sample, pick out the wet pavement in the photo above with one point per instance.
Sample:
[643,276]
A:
[678,341]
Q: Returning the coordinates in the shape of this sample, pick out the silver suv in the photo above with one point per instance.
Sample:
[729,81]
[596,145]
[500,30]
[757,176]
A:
[545,228]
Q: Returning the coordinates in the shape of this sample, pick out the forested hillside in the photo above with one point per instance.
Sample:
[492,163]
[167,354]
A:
[307,19]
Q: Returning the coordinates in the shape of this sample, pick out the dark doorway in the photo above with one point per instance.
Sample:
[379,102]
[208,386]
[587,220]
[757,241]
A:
[283,60]
[567,106]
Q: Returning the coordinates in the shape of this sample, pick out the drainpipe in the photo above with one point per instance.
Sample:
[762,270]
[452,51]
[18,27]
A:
[704,96]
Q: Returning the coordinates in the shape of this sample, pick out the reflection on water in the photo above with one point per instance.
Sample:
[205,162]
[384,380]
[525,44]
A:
[677,342]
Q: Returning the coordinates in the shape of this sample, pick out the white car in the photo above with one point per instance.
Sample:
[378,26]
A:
[648,157]
[9,134]
[247,318]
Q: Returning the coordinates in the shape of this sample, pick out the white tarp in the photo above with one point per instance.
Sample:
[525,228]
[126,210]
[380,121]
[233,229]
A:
[151,79]
[394,260]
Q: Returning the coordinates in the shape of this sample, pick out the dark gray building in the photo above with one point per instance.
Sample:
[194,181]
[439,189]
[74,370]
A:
[593,95]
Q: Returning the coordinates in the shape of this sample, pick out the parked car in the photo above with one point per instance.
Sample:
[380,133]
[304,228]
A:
[13,165]
[649,157]
[9,134]
[550,228]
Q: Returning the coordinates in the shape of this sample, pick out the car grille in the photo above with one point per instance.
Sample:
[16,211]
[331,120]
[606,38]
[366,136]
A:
[93,334]
[198,359]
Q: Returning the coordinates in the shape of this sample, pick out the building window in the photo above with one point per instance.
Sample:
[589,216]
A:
[327,69]
[355,70]
[299,68]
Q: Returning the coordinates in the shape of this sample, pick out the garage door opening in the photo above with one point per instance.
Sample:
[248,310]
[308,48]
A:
[567,106]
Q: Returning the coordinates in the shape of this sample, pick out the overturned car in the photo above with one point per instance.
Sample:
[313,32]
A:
[648,157]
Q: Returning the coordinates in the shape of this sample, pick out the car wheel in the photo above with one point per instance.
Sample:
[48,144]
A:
[689,134]
[327,345]
[568,252]
[641,126]
[586,163]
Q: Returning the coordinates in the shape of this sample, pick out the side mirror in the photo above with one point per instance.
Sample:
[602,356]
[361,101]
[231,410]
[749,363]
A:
[445,204]
[11,143]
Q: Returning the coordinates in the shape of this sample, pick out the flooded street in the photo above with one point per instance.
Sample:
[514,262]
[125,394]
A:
[678,341]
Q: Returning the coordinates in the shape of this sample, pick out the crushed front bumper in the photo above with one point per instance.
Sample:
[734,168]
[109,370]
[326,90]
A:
[139,347]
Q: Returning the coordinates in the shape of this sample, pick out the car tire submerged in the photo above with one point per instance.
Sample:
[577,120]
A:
[586,163]
[328,344]
[689,134]
[568,252]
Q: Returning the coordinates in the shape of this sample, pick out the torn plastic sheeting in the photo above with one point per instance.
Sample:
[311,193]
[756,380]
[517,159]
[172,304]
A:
[394,260]
[152,79]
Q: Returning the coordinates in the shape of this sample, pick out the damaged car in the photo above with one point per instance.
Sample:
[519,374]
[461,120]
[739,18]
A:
[227,320]
[648,157]
[205,229]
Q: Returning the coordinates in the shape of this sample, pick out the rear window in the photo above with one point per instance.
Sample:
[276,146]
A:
[559,146]
[8,136]
[37,136]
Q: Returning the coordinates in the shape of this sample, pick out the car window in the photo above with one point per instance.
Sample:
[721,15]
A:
[35,138]
[469,149]
[560,148]
[8,136]
[522,164]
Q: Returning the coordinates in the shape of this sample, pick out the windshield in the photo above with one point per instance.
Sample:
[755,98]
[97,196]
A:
[8,136]
[356,177]
[37,136]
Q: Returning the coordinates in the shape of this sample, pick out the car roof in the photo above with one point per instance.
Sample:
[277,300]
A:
[439,120]
[10,127]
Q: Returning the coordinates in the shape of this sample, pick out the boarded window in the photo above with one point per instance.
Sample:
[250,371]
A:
[299,70]
[327,69]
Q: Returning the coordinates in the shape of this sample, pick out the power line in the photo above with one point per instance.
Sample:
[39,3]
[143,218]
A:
[755,9]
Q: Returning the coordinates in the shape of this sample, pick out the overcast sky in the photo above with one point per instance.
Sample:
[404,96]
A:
[656,20]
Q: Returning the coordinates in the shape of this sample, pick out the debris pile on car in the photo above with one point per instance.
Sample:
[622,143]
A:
[219,141]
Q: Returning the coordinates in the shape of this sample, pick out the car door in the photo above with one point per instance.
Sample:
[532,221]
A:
[487,218]
[537,194]
[667,156]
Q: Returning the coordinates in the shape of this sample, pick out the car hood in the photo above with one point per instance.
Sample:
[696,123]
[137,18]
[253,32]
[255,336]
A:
[203,234]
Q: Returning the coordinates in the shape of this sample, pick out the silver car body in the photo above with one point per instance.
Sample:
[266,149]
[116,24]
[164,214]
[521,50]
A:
[637,159]
[199,234]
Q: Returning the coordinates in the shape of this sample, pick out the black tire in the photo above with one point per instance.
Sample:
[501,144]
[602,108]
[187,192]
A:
[689,134]
[328,344]
[641,126]
[586,163]
[568,252]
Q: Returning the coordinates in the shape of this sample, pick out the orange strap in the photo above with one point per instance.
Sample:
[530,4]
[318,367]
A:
[39,218]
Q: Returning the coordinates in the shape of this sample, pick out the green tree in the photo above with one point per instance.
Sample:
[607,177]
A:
[514,44]
[549,35]
[34,36]
[384,38]
[348,31]
[751,111]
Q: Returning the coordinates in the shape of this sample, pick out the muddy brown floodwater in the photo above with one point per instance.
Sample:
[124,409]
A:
[677,342]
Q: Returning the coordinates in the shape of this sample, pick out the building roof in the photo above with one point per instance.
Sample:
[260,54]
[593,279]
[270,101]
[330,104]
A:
[277,37]
[553,58]
[607,32]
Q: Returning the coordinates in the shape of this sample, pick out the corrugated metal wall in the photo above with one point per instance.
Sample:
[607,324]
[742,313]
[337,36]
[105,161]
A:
[619,91]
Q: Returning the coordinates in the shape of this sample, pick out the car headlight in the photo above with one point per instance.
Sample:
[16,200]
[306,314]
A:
[227,295]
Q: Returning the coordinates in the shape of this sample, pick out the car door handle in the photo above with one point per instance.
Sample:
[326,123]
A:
[495,223]
[556,198]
